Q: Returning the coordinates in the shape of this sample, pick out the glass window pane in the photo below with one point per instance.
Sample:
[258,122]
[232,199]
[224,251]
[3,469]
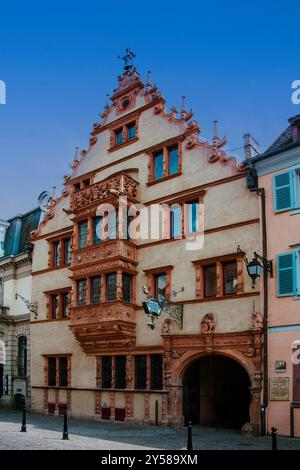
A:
[161,286]
[83,230]
[63,372]
[175,222]
[56,254]
[111,286]
[52,371]
[126,287]
[140,372]
[106,371]
[210,280]
[120,372]
[156,371]
[173,160]
[81,292]
[230,278]
[194,225]
[158,165]
[54,306]
[119,136]
[67,251]
[65,304]
[95,289]
[131,131]
[97,225]
[112,225]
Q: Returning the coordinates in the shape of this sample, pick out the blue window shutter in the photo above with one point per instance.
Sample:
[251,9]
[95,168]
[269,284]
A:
[283,191]
[286,273]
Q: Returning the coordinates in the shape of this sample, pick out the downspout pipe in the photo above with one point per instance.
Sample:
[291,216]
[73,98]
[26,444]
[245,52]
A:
[252,178]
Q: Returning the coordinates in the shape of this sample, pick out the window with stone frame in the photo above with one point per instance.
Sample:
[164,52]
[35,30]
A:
[140,372]
[111,286]
[56,254]
[125,134]
[81,292]
[126,287]
[95,289]
[106,372]
[58,371]
[67,251]
[120,372]
[82,234]
[58,303]
[165,162]
[156,371]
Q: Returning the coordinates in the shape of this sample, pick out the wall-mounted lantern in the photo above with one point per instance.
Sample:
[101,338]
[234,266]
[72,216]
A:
[256,266]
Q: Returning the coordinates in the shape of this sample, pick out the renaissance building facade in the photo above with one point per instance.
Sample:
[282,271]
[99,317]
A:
[93,352]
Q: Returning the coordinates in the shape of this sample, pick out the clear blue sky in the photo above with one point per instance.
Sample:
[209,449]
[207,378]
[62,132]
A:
[234,61]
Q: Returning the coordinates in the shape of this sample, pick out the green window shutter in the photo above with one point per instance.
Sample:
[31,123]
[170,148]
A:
[286,273]
[283,191]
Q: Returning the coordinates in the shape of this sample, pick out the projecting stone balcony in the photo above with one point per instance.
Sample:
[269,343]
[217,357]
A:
[105,253]
[117,185]
[106,325]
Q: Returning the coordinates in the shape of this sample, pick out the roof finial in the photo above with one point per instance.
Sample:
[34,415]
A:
[183,107]
[215,134]
[106,104]
[76,154]
[53,195]
[148,83]
[128,65]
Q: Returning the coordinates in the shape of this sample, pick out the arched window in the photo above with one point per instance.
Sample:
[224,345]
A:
[22,356]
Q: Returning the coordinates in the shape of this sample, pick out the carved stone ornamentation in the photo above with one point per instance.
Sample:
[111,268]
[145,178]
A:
[257,321]
[208,323]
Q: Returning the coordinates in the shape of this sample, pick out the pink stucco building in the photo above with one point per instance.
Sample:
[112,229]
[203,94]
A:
[278,171]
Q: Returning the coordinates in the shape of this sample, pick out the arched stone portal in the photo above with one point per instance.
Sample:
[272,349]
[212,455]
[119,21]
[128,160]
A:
[216,391]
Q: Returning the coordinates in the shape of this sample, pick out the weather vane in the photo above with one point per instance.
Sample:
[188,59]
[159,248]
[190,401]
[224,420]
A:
[128,65]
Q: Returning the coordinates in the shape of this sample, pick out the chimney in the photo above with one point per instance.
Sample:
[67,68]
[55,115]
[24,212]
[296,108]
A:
[251,147]
[295,126]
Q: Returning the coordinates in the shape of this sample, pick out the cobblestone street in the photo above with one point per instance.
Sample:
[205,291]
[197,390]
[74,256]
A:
[45,432]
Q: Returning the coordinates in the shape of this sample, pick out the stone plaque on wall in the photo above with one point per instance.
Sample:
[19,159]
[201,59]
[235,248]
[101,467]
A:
[279,388]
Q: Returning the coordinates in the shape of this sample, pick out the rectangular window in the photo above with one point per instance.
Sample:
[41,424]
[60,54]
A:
[158,165]
[175,222]
[210,281]
[161,286]
[56,254]
[126,287]
[287,273]
[112,225]
[106,371]
[173,160]
[83,231]
[230,277]
[52,371]
[119,136]
[65,300]
[156,371]
[97,229]
[95,289]
[130,131]
[140,372]
[67,251]
[63,371]
[120,372]
[193,217]
[283,191]
[111,286]
[81,292]
[54,306]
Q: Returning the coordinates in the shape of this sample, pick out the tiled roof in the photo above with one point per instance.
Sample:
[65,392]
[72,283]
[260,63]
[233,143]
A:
[282,141]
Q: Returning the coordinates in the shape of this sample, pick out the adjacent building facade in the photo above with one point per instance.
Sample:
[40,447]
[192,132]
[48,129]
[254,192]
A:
[93,352]
[15,283]
[278,172]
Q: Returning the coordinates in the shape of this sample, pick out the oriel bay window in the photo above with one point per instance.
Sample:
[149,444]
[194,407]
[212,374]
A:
[81,292]
[220,276]
[58,368]
[82,234]
[95,289]
[111,286]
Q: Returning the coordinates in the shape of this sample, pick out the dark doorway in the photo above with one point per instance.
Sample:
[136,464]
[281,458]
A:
[216,392]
